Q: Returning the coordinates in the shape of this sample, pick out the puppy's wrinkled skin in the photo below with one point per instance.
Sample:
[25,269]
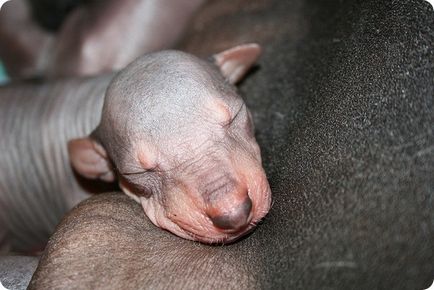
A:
[181,142]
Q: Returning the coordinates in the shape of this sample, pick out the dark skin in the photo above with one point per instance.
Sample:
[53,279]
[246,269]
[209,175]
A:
[112,223]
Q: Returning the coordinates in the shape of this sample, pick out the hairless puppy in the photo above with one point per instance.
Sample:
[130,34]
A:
[173,132]
[90,37]
[181,142]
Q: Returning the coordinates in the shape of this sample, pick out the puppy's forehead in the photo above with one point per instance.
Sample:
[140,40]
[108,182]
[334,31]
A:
[166,94]
[167,72]
[167,82]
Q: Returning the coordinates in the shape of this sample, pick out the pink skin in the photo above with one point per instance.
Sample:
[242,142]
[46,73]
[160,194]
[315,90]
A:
[107,35]
[96,37]
[181,142]
[184,194]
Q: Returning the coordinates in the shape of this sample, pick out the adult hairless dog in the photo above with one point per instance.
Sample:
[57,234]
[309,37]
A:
[173,131]
[343,113]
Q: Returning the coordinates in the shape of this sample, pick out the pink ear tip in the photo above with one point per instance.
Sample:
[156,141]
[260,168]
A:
[250,52]
[254,46]
[253,49]
[236,61]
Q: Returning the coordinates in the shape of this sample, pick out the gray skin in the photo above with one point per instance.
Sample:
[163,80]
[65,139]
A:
[173,133]
[37,183]
[16,271]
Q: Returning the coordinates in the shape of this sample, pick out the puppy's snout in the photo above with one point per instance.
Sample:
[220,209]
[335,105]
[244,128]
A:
[234,219]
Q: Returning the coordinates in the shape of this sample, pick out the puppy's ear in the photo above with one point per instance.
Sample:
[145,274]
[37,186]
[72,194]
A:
[89,159]
[235,62]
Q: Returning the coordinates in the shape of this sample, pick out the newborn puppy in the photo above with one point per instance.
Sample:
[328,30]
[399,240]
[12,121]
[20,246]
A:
[65,38]
[180,141]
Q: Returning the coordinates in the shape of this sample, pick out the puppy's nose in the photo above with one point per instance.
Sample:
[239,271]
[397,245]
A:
[235,219]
